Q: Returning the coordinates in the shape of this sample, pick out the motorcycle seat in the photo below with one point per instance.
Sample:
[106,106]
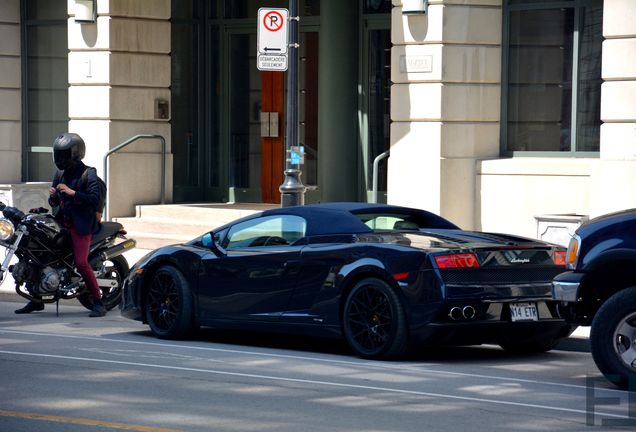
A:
[107,229]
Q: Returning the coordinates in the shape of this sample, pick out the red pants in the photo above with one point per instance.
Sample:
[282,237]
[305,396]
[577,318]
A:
[81,246]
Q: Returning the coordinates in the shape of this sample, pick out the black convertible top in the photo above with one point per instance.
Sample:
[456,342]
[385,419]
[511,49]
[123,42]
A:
[344,217]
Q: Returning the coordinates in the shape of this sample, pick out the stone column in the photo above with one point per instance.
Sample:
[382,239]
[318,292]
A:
[119,76]
[445,102]
[613,181]
[10,98]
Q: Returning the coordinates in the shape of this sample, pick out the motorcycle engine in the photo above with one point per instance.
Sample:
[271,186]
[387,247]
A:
[39,282]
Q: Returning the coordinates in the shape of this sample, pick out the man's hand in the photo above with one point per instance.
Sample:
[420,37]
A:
[65,189]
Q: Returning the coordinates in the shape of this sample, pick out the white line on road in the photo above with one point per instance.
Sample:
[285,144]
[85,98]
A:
[316,382]
[376,365]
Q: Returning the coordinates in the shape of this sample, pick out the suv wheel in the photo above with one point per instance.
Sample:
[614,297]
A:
[613,338]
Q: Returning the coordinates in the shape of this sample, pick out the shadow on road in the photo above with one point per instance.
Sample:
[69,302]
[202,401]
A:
[308,344]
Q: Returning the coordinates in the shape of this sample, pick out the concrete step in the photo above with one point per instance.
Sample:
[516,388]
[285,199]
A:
[200,212]
[176,226]
[160,225]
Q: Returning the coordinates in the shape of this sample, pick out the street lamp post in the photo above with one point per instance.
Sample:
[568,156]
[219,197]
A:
[292,190]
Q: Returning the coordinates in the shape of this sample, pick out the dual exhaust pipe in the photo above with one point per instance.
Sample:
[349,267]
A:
[457,313]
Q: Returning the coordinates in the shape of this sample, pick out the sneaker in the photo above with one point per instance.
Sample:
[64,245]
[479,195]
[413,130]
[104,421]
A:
[98,310]
[30,307]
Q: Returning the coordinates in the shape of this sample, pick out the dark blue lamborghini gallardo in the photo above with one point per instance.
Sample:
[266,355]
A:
[381,276]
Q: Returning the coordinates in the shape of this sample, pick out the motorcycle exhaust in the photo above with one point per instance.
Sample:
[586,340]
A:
[117,250]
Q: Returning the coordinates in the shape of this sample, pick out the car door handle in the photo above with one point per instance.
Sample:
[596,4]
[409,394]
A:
[291,264]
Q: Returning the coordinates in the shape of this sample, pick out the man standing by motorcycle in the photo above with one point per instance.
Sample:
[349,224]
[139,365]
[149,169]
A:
[76,201]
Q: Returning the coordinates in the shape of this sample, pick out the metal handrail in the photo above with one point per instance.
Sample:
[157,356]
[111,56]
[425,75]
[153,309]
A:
[163,164]
[376,163]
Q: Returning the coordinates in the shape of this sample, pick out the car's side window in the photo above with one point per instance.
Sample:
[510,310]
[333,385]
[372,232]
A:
[389,222]
[266,231]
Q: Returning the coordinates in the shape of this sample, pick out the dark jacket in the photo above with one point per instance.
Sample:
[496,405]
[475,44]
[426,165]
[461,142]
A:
[79,209]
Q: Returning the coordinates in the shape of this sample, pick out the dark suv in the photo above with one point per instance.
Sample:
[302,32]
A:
[600,290]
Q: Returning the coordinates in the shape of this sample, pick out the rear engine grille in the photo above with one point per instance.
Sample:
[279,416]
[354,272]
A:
[499,276]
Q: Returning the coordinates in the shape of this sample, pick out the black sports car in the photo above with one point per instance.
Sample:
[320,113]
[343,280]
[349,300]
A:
[383,277]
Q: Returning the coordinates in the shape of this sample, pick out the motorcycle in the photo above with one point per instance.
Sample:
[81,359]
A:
[45,270]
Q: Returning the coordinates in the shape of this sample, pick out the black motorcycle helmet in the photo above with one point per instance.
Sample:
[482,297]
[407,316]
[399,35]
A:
[68,148]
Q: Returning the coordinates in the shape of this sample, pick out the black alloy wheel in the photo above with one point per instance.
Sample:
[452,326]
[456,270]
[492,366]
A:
[613,339]
[374,321]
[168,304]
[115,270]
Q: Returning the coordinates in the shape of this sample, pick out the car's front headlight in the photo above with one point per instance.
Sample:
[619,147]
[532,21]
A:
[6,229]
[572,254]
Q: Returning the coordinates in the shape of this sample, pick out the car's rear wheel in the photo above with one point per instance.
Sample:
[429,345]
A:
[374,322]
[169,305]
[115,270]
[613,339]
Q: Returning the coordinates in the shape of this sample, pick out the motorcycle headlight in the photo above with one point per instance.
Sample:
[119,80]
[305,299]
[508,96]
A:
[6,229]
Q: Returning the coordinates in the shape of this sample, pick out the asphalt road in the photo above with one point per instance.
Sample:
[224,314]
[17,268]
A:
[74,373]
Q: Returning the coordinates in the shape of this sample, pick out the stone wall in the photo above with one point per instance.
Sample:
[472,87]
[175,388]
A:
[615,176]
[119,71]
[445,99]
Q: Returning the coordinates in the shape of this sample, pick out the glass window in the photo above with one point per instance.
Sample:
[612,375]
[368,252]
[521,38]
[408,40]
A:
[45,58]
[185,139]
[379,100]
[245,107]
[308,105]
[267,231]
[404,221]
[249,8]
[554,78]
[377,6]
[195,58]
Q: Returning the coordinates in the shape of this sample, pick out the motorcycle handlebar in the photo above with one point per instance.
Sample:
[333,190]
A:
[11,213]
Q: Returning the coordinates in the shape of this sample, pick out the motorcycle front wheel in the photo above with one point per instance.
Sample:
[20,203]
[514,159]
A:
[116,269]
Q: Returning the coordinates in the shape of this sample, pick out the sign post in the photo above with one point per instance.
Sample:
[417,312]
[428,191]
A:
[292,191]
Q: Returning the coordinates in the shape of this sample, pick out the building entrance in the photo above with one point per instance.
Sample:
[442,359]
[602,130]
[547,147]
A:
[228,118]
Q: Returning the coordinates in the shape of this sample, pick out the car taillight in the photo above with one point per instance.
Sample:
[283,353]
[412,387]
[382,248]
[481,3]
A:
[463,260]
[559,257]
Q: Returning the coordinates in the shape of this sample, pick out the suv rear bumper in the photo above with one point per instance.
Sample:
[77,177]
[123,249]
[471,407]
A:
[565,287]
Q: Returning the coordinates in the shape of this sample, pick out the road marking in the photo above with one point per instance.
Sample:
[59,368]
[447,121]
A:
[84,422]
[371,364]
[318,382]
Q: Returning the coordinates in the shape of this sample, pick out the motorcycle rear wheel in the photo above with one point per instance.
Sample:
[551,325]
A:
[118,271]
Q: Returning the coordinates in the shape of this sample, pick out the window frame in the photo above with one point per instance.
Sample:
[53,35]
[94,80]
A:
[508,7]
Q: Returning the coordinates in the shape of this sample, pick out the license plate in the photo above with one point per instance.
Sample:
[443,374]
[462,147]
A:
[524,312]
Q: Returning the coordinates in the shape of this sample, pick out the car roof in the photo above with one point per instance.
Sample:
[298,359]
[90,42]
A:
[340,217]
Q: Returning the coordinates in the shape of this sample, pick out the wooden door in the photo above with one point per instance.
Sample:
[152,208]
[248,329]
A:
[273,148]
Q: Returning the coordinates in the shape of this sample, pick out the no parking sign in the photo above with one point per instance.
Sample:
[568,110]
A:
[272,39]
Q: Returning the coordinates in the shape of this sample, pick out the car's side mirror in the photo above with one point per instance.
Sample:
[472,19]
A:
[212,242]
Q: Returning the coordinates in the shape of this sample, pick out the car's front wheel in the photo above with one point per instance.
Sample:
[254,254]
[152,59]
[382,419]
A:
[374,322]
[169,305]
[613,338]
